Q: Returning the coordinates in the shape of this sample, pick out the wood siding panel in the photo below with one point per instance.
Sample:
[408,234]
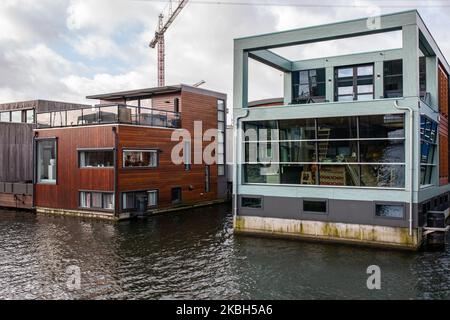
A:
[70,178]
[16,152]
[443,127]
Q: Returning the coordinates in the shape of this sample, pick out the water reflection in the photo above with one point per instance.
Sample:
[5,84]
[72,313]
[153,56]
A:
[194,255]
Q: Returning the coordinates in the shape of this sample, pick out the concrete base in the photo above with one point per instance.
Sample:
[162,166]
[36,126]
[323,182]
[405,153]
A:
[77,213]
[380,236]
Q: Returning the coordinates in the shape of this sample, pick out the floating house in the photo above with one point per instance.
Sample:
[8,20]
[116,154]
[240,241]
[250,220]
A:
[357,149]
[115,159]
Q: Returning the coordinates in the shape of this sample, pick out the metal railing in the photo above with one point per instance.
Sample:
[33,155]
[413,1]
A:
[109,114]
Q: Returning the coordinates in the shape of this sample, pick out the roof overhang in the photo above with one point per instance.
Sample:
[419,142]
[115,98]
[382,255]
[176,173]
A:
[148,92]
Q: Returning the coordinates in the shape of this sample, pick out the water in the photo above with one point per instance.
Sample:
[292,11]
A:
[195,255]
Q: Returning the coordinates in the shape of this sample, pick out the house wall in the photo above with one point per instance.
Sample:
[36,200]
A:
[70,178]
[443,87]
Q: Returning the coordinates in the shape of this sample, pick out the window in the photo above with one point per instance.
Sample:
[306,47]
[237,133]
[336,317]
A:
[140,158]
[96,158]
[428,132]
[389,211]
[354,83]
[46,161]
[393,79]
[130,199]
[176,105]
[97,200]
[308,86]
[364,151]
[314,206]
[221,120]
[16,116]
[423,76]
[251,202]
[5,117]
[176,195]
[152,198]
[29,116]
[187,155]
[207,179]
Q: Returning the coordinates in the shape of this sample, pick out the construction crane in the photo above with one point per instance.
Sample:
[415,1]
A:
[161,30]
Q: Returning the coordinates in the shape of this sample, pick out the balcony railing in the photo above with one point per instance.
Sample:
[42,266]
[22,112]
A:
[109,114]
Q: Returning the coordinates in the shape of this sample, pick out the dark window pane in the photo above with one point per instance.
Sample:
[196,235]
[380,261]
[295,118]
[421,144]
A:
[176,195]
[338,175]
[306,174]
[381,126]
[145,159]
[297,151]
[247,202]
[393,67]
[392,176]
[389,211]
[382,151]
[96,159]
[427,153]
[336,128]
[426,174]
[314,206]
[297,129]
[338,151]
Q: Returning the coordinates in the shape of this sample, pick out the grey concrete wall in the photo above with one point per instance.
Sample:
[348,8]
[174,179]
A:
[344,211]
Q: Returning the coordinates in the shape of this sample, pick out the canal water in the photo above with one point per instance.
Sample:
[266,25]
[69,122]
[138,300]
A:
[195,255]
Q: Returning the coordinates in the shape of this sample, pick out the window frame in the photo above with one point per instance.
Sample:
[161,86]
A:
[36,171]
[103,193]
[80,150]
[389,76]
[355,92]
[315,200]
[146,191]
[387,203]
[150,150]
[310,97]
[180,200]
[261,198]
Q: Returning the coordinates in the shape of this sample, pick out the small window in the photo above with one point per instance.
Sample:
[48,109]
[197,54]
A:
[16,116]
[30,116]
[4,117]
[314,206]
[176,105]
[187,155]
[220,170]
[96,200]
[176,195]
[389,211]
[140,158]
[96,158]
[152,198]
[207,179]
[128,201]
[393,79]
[251,202]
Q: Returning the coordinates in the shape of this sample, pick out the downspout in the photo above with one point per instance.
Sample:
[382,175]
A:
[411,167]
[235,171]
[116,171]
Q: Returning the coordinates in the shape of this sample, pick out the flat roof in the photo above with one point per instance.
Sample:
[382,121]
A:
[155,91]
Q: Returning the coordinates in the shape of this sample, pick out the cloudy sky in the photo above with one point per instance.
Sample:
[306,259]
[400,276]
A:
[67,49]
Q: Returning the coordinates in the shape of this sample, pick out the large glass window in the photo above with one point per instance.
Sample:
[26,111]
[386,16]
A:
[366,151]
[30,116]
[96,200]
[308,86]
[354,83]
[46,161]
[393,78]
[221,120]
[140,158]
[96,158]
[16,116]
[428,146]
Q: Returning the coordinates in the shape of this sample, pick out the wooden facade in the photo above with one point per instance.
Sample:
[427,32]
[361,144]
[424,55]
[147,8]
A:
[64,194]
[443,126]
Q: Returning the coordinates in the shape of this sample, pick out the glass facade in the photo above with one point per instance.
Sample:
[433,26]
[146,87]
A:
[366,151]
[308,86]
[428,146]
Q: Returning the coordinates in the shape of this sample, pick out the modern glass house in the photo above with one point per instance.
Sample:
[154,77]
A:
[358,150]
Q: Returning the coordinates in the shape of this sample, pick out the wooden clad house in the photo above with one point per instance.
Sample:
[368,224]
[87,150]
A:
[115,159]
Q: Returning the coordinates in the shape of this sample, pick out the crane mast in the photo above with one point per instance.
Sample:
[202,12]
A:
[158,40]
